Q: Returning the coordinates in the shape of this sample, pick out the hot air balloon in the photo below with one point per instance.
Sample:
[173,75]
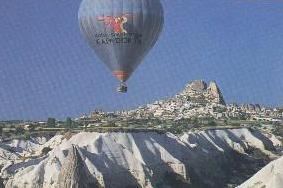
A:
[121,32]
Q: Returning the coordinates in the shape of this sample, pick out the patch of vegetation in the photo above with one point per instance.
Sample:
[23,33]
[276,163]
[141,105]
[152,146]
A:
[19,131]
[45,151]
[27,135]
[278,130]
[212,123]
[51,122]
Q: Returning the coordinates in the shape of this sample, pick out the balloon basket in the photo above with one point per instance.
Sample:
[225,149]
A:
[122,88]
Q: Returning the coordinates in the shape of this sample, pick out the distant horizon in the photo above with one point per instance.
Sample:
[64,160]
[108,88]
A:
[48,69]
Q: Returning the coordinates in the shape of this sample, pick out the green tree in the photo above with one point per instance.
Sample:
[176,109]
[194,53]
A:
[69,122]
[27,135]
[212,123]
[51,122]
[225,122]
[20,130]
[195,120]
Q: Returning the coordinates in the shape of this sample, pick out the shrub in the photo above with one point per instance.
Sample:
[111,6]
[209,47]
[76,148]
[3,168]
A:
[45,150]
[212,123]
[69,123]
[51,122]
[20,130]
[26,135]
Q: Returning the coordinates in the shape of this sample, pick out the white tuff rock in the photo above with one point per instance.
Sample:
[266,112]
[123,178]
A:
[270,176]
[139,159]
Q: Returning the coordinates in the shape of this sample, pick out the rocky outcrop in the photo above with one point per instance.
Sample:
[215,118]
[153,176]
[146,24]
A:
[197,85]
[270,176]
[74,172]
[118,160]
[198,100]
[14,150]
[198,91]
[251,107]
[214,94]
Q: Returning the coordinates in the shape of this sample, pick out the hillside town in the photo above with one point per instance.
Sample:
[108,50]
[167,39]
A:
[198,100]
[199,104]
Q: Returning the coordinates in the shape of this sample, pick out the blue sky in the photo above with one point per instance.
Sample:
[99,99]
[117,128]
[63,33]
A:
[47,69]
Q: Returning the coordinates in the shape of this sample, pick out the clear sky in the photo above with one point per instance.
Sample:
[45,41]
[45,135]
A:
[47,69]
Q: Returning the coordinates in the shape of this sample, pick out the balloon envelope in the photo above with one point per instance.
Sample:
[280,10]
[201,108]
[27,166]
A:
[121,32]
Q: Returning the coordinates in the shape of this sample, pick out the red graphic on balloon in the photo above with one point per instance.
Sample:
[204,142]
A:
[115,22]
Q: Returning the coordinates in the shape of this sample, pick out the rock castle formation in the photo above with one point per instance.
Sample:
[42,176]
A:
[199,91]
